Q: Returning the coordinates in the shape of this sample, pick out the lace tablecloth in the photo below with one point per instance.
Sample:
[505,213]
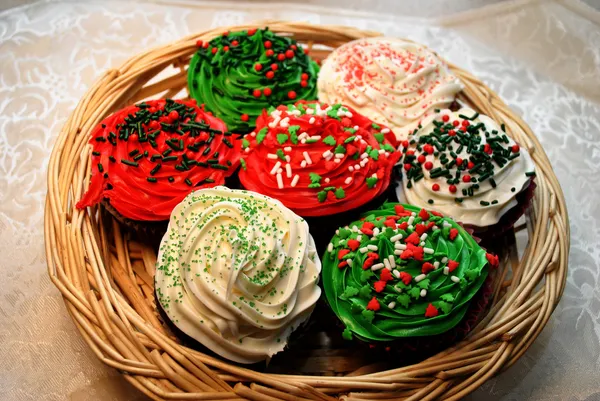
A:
[542,57]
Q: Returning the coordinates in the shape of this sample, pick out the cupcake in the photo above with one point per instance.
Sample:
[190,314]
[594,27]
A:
[318,160]
[391,81]
[238,74]
[237,271]
[463,165]
[146,158]
[402,272]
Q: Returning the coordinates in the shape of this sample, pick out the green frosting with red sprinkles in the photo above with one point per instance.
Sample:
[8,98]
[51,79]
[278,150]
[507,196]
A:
[238,74]
[147,157]
[401,272]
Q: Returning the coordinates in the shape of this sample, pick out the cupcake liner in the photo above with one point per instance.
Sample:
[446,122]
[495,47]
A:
[150,232]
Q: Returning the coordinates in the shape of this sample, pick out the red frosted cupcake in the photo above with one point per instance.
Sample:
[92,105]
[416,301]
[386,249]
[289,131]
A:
[147,157]
[319,160]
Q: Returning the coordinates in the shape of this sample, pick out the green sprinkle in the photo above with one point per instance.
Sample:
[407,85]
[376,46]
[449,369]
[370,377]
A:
[155,169]
[339,193]
[329,140]
[329,189]
[340,149]
[261,135]
[430,201]
[458,200]
[245,143]
[282,138]
[371,181]
[484,203]
[321,196]
[380,137]
[530,174]
[129,162]
[314,178]
[243,163]
[134,152]
[513,189]
[171,179]
[280,154]
[376,126]
[100,168]
[151,179]
[350,139]
[96,153]
[187,181]
[374,154]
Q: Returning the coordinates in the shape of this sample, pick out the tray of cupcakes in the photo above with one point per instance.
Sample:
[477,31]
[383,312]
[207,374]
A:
[293,215]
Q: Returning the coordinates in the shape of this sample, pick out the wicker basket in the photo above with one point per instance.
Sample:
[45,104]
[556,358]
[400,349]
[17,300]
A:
[106,276]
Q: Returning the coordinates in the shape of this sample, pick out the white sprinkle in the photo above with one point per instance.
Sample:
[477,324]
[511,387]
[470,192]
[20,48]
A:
[288,158]
[396,273]
[364,155]
[288,170]
[348,114]
[454,279]
[356,167]
[312,120]
[349,261]
[400,246]
[374,175]
[307,157]
[372,247]
[413,214]
[428,251]
[330,247]
[423,293]
[279,181]
[411,220]
[351,169]
[377,266]
[387,154]
[310,111]
[247,150]
[420,277]
[328,109]
[303,163]
[279,170]
[422,243]
[396,238]
[387,265]
[303,135]
[356,128]
[342,242]
[339,155]
[392,305]
[392,261]
[327,153]
[303,141]
[356,139]
[315,137]
[381,151]
[285,122]
[275,168]
[375,231]
[385,131]
[411,228]
[398,252]
[364,249]
[435,228]
[336,160]
[253,134]
[337,232]
[446,270]
[295,180]
[436,264]
[355,229]
[348,180]
[271,156]
[287,149]
[294,112]
[444,259]
[358,237]
[446,224]
[363,162]
[326,180]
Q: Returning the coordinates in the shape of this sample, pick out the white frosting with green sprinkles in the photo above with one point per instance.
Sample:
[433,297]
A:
[237,271]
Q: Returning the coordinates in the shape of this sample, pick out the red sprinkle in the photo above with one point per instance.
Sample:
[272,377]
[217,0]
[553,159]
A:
[368,263]
[304,76]
[452,133]
[413,238]
[406,254]
[289,53]
[455,123]
[205,45]
[251,32]
[399,209]
[405,277]
[379,285]
[353,244]
[342,253]
[303,84]
[515,148]
[421,159]
[274,67]
[373,255]
[445,118]
[386,275]
[428,165]
[487,149]
[492,259]
[427,267]
[234,43]
[269,53]
[367,231]
[199,43]
[174,115]
[270,74]
[214,50]
[470,165]
[390,223]
[465,123]
[226,48]
[452,234]
[407,166]
[258,66]
[281,57]
[405,144]
[225,33]
[435,187]
[268,44]
[244,117]
[452,188]
[420,229]
[292,94]
[293,47]
[373,304]
[403,225]
[459,161]
[203,136]
[267,91]
[424,214]
[418,252]
[466,178]
[452,265]
[431,311]
[428,149]
[343,264]
[257,93]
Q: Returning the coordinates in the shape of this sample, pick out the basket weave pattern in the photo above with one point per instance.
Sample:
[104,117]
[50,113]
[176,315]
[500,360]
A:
[106,276]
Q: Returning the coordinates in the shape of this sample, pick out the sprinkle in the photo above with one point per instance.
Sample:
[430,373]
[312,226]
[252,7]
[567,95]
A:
[303,163]
[312,119]
[428,251]
[436,264]
[287,149]
[327,154]
[307,157]
[392,305]
[377,266]
[372,247]
[454,279]
[411,220]
[423,293]
[385,130]
[396,273]
[288,170]
[330,247]
[375,231]
[279,181]
[392,261]
[400,246]
[364,249]
[326,180]
[288,158]
[420,277]
[349,261]
[348,180]
[386,263]
[446,270]
[424,237]
[364,156]
[271,156]
[444,259]
[396,238]
[275,168]
[339,155]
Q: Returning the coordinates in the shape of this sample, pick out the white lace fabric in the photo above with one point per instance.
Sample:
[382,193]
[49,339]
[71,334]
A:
[543,58]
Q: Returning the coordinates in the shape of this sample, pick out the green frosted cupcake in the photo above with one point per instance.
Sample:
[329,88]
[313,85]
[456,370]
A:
[238,74]
[402,272]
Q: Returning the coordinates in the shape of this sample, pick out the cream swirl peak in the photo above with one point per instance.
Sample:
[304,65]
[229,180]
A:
[237,271]
[391,81]
[463,164]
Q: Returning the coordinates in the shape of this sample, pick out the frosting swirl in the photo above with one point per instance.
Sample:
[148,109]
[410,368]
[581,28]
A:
[318,159]
[238,272]
[146,158]
[464,165]
[238,74]
[391,81]
[401,272]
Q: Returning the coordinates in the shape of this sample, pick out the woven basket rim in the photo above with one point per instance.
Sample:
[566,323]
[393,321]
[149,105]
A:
[88,256]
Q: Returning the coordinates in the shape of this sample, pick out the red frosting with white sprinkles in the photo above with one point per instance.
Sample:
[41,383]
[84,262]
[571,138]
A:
[318,159]
[146,158]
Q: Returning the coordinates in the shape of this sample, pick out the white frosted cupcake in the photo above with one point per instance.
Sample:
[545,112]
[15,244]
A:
[463,165]
[237,271]
[391,81]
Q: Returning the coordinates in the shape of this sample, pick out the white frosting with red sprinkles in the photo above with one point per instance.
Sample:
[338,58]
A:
[391,81]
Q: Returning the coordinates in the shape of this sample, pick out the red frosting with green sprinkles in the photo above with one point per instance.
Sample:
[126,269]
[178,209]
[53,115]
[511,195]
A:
[146,158]
[402,271]
[318,159]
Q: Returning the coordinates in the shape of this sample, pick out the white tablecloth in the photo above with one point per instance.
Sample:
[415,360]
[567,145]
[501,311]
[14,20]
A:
[542,57]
